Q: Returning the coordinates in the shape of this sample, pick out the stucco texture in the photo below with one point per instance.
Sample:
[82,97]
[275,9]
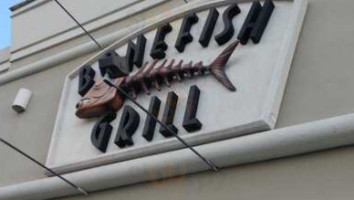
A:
[31,130]
[320,85]
[319,176]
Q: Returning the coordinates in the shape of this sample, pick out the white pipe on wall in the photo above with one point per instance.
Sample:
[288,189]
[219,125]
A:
[279,143]
[22,99]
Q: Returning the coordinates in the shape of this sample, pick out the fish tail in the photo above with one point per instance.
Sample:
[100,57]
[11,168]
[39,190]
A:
[217,67]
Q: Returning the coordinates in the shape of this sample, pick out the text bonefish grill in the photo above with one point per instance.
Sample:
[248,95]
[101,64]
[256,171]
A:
[101,100]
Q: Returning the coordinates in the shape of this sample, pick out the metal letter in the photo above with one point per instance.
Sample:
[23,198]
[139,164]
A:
[113,64]
[229,30]
[102,132]
[184,36]
[150,123]
[190,122]
[168,114]
[159,46]
[86,80]
[209,27]
[256,21]
[135,52]
[127,127]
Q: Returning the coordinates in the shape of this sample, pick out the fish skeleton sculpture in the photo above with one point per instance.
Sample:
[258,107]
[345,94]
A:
[102,98]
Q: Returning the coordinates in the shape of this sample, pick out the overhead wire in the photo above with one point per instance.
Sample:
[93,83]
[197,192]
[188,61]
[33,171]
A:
[43,166]
[81,190]
[208,162]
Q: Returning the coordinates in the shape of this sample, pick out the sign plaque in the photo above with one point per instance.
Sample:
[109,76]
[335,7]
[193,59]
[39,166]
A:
[216,72]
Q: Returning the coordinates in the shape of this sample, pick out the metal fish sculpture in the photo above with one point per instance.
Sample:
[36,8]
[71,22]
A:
[102,98]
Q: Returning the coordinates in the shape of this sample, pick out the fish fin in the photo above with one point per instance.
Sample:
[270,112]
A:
[217,67]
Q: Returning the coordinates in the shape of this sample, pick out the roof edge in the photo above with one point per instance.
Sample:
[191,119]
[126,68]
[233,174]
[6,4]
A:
[20,5]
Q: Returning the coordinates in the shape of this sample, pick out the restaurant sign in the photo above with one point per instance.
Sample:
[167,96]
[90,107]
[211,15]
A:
[216,72]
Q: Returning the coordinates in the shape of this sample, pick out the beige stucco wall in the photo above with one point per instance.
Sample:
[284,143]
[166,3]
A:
[28,51]
[320,85]
[30,131]
[319,176]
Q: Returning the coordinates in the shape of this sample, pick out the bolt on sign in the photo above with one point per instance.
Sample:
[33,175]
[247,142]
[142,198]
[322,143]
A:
[216,72]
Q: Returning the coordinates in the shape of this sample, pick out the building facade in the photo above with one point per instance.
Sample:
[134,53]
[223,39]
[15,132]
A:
[285,133]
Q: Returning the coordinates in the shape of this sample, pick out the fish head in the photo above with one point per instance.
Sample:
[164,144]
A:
[99,100]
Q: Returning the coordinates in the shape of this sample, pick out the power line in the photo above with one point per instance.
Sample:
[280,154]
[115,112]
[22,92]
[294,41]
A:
[43,166]
[208,162]
[78,23]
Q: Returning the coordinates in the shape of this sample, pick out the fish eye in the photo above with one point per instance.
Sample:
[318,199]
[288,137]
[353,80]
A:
[82,101]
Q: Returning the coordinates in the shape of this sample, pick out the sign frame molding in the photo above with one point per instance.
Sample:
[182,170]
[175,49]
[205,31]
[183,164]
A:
[270,109]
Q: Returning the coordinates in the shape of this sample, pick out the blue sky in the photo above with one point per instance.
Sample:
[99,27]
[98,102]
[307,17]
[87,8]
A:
[5,22]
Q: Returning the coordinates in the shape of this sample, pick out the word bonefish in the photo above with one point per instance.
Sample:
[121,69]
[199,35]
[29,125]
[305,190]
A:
[102,100]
